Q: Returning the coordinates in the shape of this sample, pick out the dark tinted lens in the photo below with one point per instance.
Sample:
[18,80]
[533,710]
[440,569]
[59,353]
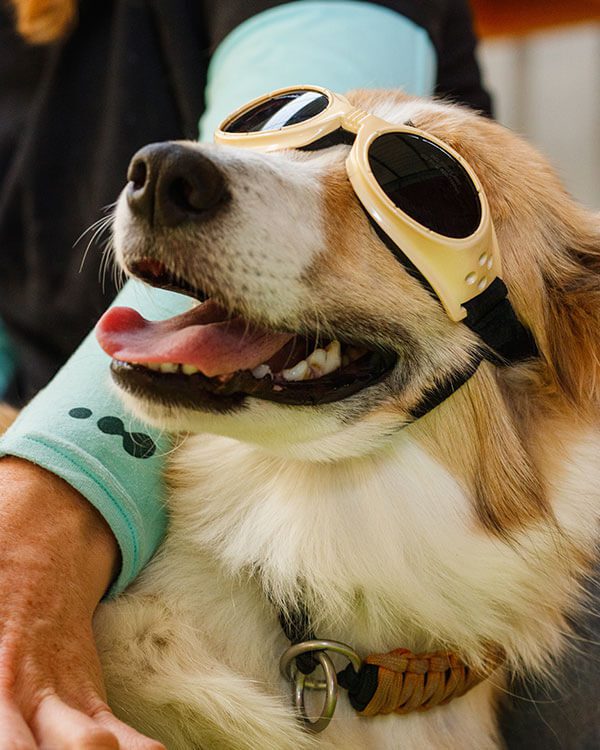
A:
[426,183]
[280,111]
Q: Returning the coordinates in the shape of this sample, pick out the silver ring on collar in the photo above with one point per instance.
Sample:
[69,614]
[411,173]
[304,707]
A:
[301,682]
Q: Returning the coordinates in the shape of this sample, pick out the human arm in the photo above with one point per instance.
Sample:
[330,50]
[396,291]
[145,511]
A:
[57,559]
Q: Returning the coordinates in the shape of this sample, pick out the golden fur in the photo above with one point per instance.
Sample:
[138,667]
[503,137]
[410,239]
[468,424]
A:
[551,263]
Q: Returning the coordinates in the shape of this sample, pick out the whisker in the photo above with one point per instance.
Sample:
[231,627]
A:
[99,228]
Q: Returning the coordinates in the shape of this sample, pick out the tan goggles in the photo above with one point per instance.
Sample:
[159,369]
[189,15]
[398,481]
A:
[420,192]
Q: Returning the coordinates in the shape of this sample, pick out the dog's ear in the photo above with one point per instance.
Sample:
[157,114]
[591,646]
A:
[573,326]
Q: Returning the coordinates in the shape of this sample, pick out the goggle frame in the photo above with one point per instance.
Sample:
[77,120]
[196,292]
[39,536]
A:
[457,268]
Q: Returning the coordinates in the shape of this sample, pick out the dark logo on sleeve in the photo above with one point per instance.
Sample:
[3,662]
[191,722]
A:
[137,444]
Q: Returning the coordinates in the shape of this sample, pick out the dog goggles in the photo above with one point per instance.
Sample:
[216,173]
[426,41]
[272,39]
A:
[418,190]
[421,194]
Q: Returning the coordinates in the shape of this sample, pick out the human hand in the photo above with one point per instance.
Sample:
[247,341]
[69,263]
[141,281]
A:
[57,557]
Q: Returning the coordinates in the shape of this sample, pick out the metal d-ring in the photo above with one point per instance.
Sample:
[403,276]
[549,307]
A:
[301,682]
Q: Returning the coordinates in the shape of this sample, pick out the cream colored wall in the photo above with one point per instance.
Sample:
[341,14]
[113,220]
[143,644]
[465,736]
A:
[547,86]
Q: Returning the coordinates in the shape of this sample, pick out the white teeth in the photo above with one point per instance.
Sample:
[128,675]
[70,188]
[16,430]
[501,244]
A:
[297,372]
[168,367]
[171,367]
[318,363]
[324,361]
[334,357]
[335,348]
[260,371]
[317,360]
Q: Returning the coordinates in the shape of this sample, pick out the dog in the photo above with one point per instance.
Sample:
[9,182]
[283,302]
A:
[468,530]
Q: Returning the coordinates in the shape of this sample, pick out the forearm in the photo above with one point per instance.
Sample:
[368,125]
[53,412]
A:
[57,558]
[77,544]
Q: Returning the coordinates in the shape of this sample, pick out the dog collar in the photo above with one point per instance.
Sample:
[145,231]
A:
[398,681]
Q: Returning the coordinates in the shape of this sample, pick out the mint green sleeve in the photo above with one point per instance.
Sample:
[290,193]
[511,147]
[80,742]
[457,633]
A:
[77,427]
[339,44]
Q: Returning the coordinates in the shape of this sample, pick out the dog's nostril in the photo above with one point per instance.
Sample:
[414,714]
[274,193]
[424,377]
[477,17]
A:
[138,172]
[189,187]
[187,196]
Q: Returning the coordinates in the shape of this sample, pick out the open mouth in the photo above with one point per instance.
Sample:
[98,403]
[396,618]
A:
[206,358]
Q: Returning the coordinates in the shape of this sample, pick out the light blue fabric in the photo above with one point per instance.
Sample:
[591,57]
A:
[7,360]
[341,45]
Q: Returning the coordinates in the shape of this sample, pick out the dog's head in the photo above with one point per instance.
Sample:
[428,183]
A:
[311,334]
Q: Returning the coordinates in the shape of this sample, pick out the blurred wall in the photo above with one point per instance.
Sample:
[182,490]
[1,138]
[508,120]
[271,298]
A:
[546,85]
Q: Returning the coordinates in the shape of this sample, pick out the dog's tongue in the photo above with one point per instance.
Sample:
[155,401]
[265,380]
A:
[199,337]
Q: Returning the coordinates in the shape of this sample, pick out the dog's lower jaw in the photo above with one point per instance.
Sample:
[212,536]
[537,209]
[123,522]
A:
[318,434]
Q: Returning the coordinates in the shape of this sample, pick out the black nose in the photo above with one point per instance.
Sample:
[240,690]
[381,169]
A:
[170,184]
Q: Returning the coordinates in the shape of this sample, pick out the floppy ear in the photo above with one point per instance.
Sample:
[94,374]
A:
[573,326]
[44,21]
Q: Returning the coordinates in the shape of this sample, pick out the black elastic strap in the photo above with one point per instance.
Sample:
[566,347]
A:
[491,316]
[339,137]
[434,396]
[400,256]
[297,628]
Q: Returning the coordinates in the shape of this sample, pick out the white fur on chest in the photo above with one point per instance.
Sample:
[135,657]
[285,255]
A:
[384,550]
[359,538]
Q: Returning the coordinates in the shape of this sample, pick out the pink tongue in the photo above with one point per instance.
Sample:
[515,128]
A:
[199,337]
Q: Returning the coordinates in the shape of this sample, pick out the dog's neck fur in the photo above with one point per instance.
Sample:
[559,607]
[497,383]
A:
[386,550]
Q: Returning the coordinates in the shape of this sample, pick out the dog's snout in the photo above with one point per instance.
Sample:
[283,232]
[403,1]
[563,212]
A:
[170,184]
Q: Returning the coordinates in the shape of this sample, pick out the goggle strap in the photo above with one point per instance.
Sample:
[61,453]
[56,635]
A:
[439,393]
[491,316]
[396,251]
[339,137]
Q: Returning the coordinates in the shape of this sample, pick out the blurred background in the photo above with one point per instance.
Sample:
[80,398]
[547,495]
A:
[541,62]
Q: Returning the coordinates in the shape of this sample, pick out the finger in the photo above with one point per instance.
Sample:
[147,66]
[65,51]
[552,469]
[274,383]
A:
[128,738]
[57,726]
[14,731]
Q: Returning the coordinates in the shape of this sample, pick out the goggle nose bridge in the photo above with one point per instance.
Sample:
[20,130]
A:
[353,119]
